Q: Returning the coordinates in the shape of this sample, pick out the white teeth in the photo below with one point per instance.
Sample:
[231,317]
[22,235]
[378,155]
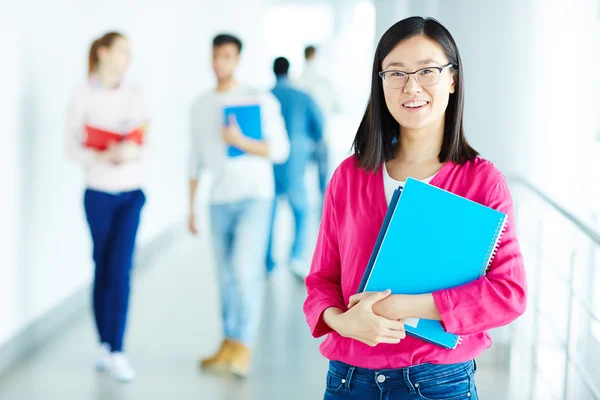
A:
[415,104]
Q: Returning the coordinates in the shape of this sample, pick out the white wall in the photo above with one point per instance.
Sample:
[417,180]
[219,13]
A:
[526,109]
[44,241]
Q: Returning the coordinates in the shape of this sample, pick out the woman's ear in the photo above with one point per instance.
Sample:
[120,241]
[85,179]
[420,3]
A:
[453,84]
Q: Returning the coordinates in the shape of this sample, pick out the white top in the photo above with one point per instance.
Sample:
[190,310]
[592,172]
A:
[320,88]
[390,185]
[246,176]
[119,110]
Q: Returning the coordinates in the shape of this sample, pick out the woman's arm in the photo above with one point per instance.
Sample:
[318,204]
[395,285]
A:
[402,306]
[324,306]
[74,148]
[323,283]
[129,150]
[362,324]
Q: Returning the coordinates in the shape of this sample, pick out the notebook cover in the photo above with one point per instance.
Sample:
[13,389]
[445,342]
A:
[382,231]
[434,240]
[98,139]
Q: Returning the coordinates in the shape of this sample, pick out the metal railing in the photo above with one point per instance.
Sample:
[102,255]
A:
[572,368]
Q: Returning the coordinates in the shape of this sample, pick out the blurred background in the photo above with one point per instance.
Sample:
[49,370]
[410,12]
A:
[532,107]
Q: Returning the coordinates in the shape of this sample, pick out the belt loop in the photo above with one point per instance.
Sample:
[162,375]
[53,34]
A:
[409,384]
[349,377]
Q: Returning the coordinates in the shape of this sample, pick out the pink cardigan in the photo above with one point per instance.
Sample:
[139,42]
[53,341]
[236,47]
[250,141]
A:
[353,213]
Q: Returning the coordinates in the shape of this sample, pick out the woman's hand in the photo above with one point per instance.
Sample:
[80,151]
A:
[392,307]
[117,153]
[362,324]
[127,151]
[402,306]
[110,154]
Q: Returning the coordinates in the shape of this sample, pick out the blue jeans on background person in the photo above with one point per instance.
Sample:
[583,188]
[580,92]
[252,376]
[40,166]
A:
[321,157]
[425,382]
[113,220]
[290,182]
[240,232]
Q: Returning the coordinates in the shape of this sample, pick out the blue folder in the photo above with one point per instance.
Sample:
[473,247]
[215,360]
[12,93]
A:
[249,121]
[430,240]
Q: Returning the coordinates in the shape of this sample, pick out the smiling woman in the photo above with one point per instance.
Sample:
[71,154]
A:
[412,127]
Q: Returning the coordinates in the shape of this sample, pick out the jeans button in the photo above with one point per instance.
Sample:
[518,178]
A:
[380,378]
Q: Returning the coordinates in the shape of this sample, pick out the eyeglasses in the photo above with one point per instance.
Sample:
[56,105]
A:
[429,76]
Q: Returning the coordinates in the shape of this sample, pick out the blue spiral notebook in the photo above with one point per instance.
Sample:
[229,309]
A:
[249,120]
[430,240]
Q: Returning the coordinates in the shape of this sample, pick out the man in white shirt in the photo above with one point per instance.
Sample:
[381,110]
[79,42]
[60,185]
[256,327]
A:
[322,91]
[241,199]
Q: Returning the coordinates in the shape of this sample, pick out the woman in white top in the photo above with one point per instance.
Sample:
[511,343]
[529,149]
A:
[107,108]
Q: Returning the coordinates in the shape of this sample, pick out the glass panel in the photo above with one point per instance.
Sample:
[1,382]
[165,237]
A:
[577,387]
[542,391]
[551,358]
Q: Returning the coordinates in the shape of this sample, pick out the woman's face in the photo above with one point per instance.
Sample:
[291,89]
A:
[116,58]
[415,106]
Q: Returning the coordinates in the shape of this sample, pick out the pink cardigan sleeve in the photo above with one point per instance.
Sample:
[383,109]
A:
[500,296]
[324,280]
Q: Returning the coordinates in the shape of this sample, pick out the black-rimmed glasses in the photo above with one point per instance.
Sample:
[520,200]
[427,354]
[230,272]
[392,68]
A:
[395,79]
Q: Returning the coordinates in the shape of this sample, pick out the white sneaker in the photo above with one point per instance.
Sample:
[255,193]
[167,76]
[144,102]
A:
[120,369]
[103,360]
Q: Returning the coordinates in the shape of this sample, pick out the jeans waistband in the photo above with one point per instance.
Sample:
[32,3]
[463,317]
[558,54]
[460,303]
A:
[421,372]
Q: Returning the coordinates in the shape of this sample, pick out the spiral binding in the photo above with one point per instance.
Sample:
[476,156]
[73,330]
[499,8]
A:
[493,249]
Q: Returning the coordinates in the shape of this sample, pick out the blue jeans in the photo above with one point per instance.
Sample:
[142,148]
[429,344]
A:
[321,157]
[113,221]
[425,382]
[240,232]
[289,182]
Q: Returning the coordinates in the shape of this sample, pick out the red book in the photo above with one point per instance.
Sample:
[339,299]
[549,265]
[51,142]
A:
[99,139]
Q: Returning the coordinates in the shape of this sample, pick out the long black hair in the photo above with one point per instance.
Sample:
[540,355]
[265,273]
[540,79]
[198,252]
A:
[374,141]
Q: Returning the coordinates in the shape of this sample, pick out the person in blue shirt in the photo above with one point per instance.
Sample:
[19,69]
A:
[304,124]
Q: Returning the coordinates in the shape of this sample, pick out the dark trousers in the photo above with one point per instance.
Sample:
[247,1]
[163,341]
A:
[113,221]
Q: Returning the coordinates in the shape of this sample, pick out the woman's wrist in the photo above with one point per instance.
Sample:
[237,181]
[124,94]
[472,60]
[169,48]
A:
[401,306]
[396,306]
[331,317]
[102,156]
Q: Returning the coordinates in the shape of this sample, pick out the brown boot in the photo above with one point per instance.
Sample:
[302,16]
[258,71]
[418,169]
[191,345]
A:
[218,362]
[240,359]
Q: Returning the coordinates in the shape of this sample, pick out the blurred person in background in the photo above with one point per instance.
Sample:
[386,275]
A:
[304,125]
[413,127]
[241,200]
[323,92]
[114,198]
